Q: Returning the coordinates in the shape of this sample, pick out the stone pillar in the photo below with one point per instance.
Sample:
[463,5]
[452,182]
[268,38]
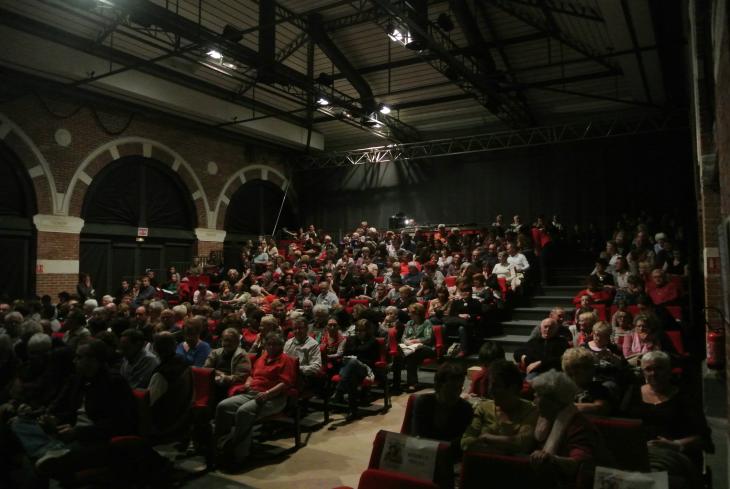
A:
[57,257]
[209,240]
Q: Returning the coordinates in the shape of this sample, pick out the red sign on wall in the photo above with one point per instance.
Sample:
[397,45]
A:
[143,232]
[39,268]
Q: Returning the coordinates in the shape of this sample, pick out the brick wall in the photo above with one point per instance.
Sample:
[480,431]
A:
[53,283]
[205,247]
[90,131]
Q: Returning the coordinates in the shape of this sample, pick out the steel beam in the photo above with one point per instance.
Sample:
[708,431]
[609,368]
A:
[497,141]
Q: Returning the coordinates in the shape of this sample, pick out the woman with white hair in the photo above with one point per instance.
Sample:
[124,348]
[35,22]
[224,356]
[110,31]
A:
[569,443]
[674,421]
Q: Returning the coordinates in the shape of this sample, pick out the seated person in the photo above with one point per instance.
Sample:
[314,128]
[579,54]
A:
[608,357]
[74,434]
[662,291]
[673,418]
[438,308]
[592,396]
[306,349]
[360,354]
[596,290]
[333,346]
[505,423]
[230,362]
[264,394]
[443,415]
[504,269]
[622,322]
[582,330]
[171,387]
[569,445]
[415,346]
[391,321]
[488,353]
[542,354]
[268,324]
[558,314]
[646,336]
[602,274]
[321,315]
[194,350]
[462,317]
[138,362]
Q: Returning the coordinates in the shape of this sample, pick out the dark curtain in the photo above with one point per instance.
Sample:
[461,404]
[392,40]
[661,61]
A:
[15,266]
[94,260]
[139,192]
[254,207]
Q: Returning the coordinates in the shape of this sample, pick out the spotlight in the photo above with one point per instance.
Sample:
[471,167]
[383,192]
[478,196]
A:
[323,101]
[230,66]
[384,109]
[213,54]
[395,35]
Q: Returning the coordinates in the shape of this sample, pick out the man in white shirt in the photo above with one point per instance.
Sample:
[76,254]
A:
[517,259]
[326,296]
[306,349]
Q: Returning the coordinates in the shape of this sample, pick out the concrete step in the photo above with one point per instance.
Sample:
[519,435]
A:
[568,290]
[509,342]
[551,300]
[519,327]
[530,313]
[569,280]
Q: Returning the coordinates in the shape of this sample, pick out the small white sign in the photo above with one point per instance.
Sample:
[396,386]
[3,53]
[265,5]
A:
[143,232]
[409,455]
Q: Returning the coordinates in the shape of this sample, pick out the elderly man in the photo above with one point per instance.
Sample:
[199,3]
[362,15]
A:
[138,363]
[264,394]
[146,292]
[326,297]
[306,349]
[558,314]
[230,362]
[544,353]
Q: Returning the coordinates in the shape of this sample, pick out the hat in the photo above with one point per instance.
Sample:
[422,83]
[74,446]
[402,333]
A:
[660,236]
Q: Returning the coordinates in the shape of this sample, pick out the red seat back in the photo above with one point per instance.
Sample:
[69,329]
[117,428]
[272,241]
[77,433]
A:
[676,338]
[443,472]
[408,415]
[450,281]
[392,342]
[203,387]
[364,302]
[626,441]
[502,471]
[383,479]
[601,311]
[438,339]
[675,311]
[382,360]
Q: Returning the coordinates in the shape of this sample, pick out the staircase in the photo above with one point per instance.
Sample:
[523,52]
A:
[567,281]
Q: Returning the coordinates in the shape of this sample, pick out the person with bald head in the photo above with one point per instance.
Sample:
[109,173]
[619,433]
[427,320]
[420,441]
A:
[558,314]
[544,353]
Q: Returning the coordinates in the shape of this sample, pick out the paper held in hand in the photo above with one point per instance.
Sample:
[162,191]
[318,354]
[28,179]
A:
[606,478]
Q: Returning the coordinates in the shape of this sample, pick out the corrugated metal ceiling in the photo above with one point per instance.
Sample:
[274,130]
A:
[553,78]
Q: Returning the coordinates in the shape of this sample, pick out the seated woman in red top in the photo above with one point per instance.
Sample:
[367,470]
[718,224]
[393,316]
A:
[264,394]
[598,293]
[488,353]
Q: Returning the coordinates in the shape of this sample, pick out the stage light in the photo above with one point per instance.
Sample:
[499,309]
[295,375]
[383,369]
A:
[395,35]
[323,101]
[230,66]
[213,54]
[384,109]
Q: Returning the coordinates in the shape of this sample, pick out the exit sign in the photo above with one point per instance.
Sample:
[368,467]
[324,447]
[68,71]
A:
[143,232]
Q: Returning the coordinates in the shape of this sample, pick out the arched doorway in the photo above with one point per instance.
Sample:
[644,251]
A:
[17,234]
[252,212]
[134,192]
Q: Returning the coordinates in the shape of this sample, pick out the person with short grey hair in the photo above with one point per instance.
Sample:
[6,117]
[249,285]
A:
[39,343]
[89,306]
[326,297]
[11,323]
[263,394]
[106,300]
[569,443]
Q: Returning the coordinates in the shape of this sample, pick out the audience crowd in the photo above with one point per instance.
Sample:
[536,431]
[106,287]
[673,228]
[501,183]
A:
[308,312]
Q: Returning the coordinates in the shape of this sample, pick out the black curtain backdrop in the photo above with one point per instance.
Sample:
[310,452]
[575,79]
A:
[140,192]
[591,181]
[253,209]
[17,235]
[129,193]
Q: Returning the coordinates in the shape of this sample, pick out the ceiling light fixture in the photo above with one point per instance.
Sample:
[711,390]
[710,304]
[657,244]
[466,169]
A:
[384,109]
[213,54]
[323,101]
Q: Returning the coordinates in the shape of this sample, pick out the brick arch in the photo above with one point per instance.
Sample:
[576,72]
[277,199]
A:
[48,199]
[242,176]
[135,146]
